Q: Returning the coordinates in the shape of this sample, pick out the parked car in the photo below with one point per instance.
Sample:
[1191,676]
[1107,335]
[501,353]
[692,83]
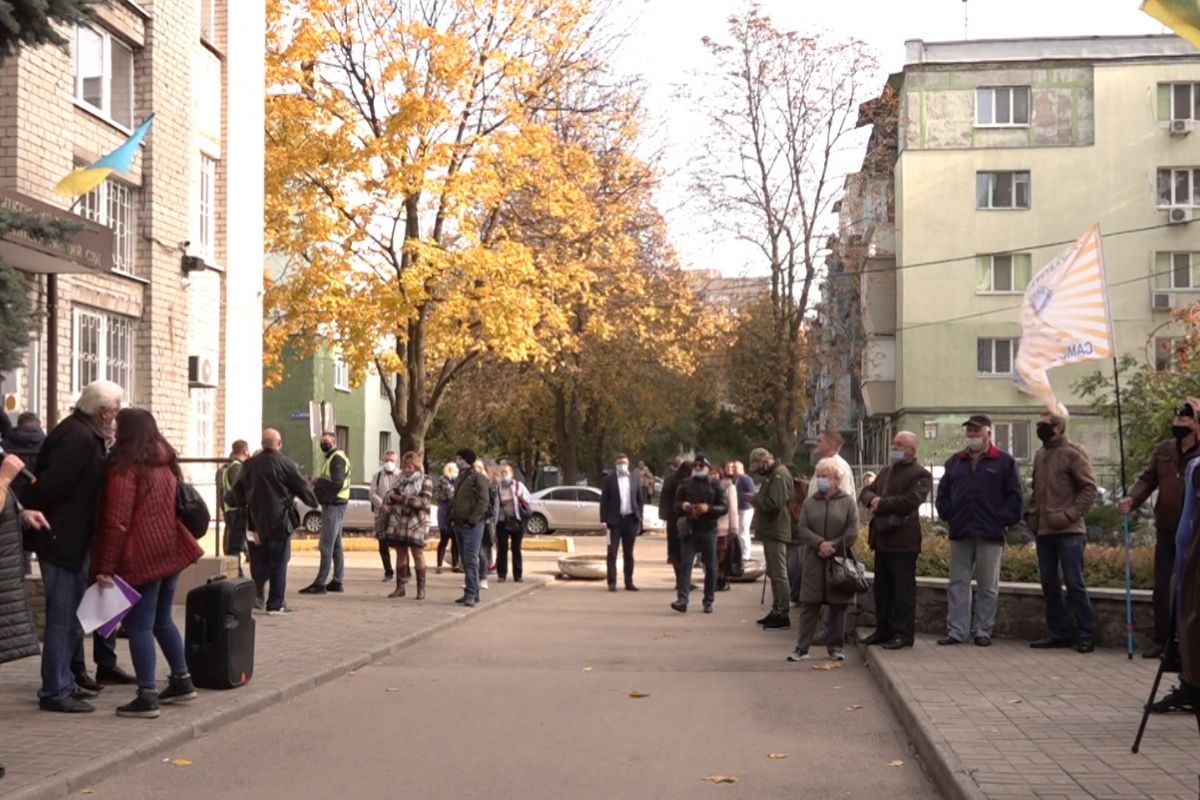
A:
[359,516]
[575,508]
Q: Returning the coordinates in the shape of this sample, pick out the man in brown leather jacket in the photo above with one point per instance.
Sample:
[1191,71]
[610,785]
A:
[1165,473]
[895,535]
[1064,490]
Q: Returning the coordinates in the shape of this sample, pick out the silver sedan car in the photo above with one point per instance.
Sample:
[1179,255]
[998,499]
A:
[359,516]
[575,508]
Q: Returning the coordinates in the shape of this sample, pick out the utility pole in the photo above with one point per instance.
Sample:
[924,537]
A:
[965,20]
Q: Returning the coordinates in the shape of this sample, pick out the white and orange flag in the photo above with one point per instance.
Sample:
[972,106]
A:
[1064,318]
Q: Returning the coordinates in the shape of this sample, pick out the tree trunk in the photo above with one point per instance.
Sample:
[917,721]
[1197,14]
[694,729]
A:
[566,433]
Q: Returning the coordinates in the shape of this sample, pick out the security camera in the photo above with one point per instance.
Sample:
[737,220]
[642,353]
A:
[185,244]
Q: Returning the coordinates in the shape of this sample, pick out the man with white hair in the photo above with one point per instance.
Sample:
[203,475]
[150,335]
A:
[70,477]
[895,535]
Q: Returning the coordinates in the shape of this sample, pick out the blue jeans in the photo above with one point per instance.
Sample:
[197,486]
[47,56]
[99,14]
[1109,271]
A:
[151,620]
[1064,552]
[62,646]
[470,539]
[331,544]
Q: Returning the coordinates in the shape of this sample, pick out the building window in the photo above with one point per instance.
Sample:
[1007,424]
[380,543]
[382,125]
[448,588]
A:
[1178,187]
[208,20]
[1178,101]
[931,428]
[1007,273]
[995,356]
[1002,105]
[203,400]
[114,205]
[383,386]
[1166,354]
[1012,438]
[101,349]
[1176,271]
[342,434]
[104,75]
[206,225]
[1001,190]
[385,442]
[341,374]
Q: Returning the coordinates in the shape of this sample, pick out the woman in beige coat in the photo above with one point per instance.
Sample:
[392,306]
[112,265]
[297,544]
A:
[728,525]
[828,526]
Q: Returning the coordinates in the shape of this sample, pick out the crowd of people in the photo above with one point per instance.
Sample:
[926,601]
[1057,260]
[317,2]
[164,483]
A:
[96,498]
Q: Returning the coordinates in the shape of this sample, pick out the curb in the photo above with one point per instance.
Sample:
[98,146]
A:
[369,544]
[942,765]
[75,779]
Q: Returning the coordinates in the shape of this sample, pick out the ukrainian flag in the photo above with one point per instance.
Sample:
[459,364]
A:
[83,179]
[1181,16]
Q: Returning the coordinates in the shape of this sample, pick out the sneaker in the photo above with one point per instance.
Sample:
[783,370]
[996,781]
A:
[277,612]
[334,586]
[313,588]
[680,607]
[1155,652]
[1085,645]
[765,619]
[87,686]
[388,577]
[66,705]
[798,655]
[949,640]
[469,602]
[144,705]
[501,579]
[707,608]
[1050,642]
[837,655]
[260,604]
[983,641]
[179,690]
[483,584]
[778,623]
[115,675]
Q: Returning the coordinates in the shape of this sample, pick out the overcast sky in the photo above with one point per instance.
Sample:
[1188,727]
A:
[664,47]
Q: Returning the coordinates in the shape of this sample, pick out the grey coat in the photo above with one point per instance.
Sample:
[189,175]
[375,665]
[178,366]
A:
[17,639]
[833,520]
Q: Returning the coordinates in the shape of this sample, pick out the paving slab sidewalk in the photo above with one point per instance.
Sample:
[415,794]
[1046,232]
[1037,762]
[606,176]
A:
[1011,722]
[51,755]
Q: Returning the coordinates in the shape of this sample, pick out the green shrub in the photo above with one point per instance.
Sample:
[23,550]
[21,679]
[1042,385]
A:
[1103,565]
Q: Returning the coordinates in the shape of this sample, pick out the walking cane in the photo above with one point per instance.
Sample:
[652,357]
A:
[763,600]
[1169,656]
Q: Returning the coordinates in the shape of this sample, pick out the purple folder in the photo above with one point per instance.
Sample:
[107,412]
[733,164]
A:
[110,627]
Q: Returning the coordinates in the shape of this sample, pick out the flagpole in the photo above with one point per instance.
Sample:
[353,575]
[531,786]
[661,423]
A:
[1125,516]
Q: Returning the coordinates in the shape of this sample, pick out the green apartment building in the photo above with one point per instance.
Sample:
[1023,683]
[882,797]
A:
[985,158]
[359,416]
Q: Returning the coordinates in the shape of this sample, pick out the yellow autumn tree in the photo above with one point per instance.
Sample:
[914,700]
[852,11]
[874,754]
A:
[405,140]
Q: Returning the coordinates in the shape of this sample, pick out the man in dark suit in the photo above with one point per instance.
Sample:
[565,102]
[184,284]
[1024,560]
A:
[621,504]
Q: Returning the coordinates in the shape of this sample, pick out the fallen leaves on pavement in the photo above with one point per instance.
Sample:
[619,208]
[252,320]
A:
[777,756]
[638,695]
[392,689]
[825,666]
[855,707]
[587,669]
[180,762]
[896,763]
[1015,701]
[720,779]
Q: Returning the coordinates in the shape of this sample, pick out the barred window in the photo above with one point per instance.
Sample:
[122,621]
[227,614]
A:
[206,227]
[102,349]
[114,205]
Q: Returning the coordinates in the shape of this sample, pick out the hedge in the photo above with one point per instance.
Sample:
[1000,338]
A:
[1103,565]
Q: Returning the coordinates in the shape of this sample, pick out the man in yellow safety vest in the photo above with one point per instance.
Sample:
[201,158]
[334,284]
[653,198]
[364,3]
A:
[332,488]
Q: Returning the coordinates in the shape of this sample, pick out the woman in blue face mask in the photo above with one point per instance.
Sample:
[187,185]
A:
[827,526]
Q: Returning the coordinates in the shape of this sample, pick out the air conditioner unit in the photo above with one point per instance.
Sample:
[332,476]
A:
[1162,301]
[202,371]
[1182,127]
[1179,215]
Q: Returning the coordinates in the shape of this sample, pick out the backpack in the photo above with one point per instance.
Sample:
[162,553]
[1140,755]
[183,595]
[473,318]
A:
[191,509]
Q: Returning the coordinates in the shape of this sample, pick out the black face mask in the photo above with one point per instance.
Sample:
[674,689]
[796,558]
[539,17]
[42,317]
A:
[326,447]
[1045,431]
[1181,432]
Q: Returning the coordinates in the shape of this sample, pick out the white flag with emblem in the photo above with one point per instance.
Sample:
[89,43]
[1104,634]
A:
[1065,318]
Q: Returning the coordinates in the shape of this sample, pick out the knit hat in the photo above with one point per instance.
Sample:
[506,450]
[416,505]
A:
[467,455]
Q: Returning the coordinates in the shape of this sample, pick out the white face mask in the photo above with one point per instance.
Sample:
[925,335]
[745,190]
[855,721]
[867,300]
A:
[389,467]
[622,468]
[975,443]
[823,484]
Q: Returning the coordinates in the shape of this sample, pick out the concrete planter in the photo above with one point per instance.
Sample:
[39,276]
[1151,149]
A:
[587,568]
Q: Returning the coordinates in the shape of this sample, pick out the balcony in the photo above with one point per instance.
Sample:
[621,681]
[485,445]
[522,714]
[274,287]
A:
[879,297]
[879,376]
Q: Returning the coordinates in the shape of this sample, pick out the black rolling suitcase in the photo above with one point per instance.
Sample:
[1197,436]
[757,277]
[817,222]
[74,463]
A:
[219,633]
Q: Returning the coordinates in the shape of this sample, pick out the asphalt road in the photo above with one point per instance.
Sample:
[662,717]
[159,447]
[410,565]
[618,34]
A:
[532,700]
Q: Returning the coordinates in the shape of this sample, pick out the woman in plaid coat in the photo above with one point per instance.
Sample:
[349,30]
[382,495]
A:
[407,510]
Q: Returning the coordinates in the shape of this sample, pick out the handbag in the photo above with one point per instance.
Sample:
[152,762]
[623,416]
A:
[844,574]
[191,509]
[734,566]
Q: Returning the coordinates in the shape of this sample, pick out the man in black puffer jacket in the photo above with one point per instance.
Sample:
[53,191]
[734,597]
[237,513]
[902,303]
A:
[699,502]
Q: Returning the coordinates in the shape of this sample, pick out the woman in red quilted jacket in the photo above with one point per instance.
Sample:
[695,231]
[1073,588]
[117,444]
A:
[141,539]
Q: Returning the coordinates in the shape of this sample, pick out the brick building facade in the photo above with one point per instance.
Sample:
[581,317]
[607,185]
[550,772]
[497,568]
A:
[175,314]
